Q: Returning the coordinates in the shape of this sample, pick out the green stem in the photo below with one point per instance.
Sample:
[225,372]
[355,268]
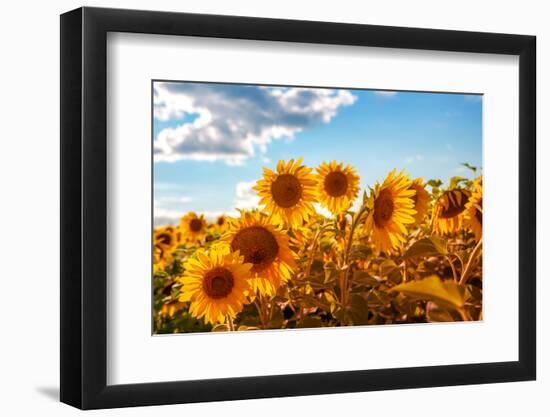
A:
[470,265]
[230,323]
[344,287]
[259,303]
[314,245]
[464,314]
[265,312]
[455,276]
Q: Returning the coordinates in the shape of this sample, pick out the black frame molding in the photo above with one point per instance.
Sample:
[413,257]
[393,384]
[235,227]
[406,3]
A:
[84,207]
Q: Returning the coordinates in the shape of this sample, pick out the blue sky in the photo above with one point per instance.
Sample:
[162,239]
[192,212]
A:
[212,140]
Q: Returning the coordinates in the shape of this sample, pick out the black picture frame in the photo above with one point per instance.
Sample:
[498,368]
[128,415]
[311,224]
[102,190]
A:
[84,207]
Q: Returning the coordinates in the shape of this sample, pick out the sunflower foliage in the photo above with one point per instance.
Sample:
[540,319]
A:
[322,252]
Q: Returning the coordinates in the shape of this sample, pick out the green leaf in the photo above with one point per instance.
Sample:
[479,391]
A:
[311,321]
[246,328]
[454,182]
[316,266]
[435,183]
[378,298]
[433,245]
[364,278]
[276,321]
[360,251]
[444,293]
[395,276]
[326,244]
[470,167]
[387,267]
[434,313]
[220,328]
[331,272]
[475,294]
[358,309]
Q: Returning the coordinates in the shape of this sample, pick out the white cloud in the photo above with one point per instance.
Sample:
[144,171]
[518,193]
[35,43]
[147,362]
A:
[164,216]
[169,209]
[213,215]
[414,158]
[245,197]
[232,123]
[172,199]
[386,93]
[172,217]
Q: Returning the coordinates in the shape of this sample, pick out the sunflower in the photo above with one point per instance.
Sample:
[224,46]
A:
[265,246]
[221,221]
[220,225]
[192,227]
[391,209]
[216,284]
[165,237]
[448,214]
[473,213]
[337,186]
[159,258]
[289,193]
[421,200]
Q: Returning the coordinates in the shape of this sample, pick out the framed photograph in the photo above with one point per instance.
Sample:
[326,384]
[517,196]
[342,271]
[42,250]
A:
[258,208]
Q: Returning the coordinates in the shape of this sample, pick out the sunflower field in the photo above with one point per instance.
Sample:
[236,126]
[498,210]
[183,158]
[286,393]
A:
[401,251]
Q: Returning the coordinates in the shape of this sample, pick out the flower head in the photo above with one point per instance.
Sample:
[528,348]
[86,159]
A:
[337,186]
[165,237]
[216,284]
[474,209]
[289,193]
[448,213]
[192,227]
[421,200]
[265,246]
[391,209]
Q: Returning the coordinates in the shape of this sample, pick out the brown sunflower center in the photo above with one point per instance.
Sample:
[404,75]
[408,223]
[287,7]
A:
[221,221]
[257,245]
[455,206]
[336,184]
[383,208]
[164,238]
[286,190]
[479,214]
[195,225]
[218,282]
